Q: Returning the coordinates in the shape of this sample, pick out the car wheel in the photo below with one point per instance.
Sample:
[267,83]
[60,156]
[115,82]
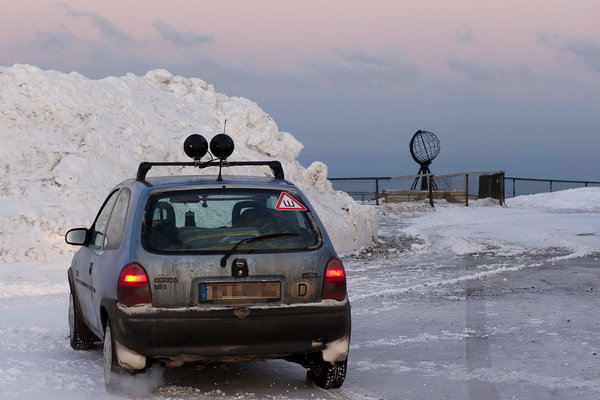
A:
[78,332]
[112,371]
[329,376]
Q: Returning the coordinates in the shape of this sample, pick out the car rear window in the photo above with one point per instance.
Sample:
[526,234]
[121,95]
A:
[215,220]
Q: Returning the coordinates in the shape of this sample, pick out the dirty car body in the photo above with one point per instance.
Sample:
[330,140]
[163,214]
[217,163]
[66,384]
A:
[193,268]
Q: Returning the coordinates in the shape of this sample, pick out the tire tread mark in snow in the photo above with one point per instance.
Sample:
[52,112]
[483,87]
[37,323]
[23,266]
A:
[349,392]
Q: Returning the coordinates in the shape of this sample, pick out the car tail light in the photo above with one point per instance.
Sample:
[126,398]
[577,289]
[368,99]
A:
[334,283]
[133,287]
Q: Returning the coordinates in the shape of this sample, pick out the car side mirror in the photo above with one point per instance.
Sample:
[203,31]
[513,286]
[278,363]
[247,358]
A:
[77,236]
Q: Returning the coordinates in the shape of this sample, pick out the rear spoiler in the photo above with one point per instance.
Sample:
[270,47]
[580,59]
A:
[145,166]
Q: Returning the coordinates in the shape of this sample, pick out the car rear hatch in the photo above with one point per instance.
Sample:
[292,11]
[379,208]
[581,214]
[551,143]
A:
[217,246]
[267,279]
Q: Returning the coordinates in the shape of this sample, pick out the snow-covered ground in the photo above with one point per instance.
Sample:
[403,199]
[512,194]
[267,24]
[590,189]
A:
[566,221]
[484,302]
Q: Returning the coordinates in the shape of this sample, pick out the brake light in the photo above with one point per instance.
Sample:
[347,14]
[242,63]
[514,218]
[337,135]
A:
[334,273]
[135,278]
[334,283]
[133,287]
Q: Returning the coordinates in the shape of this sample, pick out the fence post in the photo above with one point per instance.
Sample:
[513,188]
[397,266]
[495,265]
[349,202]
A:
[376,191]
[550,186]
[514,187]
[503,201]
[467,190]
[431,190]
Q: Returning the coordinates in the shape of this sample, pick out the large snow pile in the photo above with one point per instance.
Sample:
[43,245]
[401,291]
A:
[67,140]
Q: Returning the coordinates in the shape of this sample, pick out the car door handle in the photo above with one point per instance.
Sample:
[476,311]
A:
[90,270]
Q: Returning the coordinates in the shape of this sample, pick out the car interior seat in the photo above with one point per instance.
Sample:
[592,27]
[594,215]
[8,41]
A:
[164,230]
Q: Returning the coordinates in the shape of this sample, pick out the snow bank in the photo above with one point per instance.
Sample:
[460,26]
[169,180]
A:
[566,223]
[571,201]
[67,140]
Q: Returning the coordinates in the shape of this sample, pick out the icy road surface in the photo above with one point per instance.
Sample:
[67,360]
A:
[475,326]
[479,303]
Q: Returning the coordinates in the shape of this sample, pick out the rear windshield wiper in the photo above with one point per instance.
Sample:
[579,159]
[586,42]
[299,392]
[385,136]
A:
[229,252]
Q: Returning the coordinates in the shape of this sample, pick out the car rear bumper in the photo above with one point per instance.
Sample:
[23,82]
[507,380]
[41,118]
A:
[233,333]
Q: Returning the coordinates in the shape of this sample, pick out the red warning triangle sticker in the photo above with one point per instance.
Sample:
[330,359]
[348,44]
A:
[287,202]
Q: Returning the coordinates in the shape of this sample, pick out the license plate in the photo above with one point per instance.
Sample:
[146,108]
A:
[215,292]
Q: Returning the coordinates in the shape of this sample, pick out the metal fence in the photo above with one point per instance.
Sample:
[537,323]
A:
[520,186]
[459,188]
[365,189]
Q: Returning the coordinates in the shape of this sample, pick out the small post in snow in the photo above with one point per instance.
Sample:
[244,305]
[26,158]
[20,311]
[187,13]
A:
[467,190]
[431,190]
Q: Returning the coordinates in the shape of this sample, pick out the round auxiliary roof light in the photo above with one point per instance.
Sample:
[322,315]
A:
[221,146]
[195,146]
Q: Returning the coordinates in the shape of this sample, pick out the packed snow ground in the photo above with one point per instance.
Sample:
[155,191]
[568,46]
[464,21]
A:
[481,302]
[453,302]
[67,140]
[566,221]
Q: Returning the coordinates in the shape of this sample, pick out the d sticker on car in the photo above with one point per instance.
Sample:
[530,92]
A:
[302,290]
[287,202]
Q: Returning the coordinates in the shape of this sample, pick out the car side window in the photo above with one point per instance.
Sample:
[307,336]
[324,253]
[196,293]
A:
[101,220]
[116,224]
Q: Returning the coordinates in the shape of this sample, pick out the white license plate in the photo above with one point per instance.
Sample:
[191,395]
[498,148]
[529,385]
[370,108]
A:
[238,291]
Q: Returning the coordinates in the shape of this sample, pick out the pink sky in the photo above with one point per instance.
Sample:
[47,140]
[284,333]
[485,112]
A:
[266,30]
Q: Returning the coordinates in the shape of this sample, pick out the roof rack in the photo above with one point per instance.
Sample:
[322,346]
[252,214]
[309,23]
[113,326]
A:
[145,166]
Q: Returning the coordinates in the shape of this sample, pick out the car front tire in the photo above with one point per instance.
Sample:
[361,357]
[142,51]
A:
[78,332]
[329,376]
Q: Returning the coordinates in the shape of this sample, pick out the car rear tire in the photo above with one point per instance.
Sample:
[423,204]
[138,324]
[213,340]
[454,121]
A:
[79,334]
[112,371]
[329,376]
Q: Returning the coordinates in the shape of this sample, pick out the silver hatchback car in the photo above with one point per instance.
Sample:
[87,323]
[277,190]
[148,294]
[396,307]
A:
[209,268]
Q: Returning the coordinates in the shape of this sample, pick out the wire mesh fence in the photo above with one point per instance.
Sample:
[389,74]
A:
[459,188]
[364,190]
